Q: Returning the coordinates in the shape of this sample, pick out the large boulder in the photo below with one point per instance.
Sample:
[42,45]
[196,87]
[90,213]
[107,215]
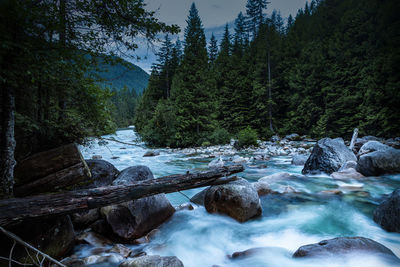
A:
[152,261]
[55,237]
[339,246]
[134,219]
[328,156]
[381,161]
[199,197]
[238,199]
[103,172]
[387,214]
[372,146]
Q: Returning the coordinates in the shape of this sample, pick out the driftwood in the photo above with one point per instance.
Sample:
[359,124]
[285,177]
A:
[353,139]
[63,179]
[47,163]
[17,209]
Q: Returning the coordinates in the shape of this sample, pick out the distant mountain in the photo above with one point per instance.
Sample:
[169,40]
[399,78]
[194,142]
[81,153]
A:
[118,76]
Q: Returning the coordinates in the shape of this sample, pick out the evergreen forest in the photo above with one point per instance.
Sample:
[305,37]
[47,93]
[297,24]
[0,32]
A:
[331,68]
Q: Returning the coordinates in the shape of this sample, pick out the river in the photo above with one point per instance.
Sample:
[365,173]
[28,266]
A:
[200,239]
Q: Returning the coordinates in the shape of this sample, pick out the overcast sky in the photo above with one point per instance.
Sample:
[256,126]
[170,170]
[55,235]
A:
[213,13]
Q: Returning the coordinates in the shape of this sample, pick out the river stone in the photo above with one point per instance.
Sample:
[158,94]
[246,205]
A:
[103,172]
[347,174]
[238,199]
[348,165]
[293,137]
[199,197]
[85,218]
[343,245]
[152,261]
[275,138]
[151,153]
[299,160]
[328,156]
[379,162]
[254,252]
[387,214]
[93,239]
[276,177]
[54,237]
[134,219]
[372,146]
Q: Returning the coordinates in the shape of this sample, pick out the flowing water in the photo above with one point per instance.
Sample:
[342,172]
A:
[289,221]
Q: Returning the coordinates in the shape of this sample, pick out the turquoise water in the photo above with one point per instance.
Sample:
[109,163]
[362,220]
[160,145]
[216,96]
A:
[288,221]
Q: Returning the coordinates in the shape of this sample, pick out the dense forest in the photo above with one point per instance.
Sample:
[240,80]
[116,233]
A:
[330,69]
[50,92]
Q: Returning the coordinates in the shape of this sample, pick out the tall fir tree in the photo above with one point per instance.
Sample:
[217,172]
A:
[213,49]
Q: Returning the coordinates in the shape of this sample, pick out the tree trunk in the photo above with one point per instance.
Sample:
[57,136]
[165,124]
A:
[7,142]
[14,210]
[353,139]
[269,95]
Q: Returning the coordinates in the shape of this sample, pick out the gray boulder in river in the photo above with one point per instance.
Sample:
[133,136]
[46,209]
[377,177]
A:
[387,214]
[133,219]
[103,172]
[152,260]
[238,199]
[376,159]
[340,246]
[328,156]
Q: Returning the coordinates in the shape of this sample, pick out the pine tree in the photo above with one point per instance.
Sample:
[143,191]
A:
[213,49]
[255,15]
[193,88]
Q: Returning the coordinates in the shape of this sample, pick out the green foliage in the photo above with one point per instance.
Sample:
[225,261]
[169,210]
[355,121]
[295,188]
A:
[219,136]
[48,56]
[247,137]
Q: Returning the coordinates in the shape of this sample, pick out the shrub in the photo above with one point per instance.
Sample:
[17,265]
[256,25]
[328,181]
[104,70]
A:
[247,137]
[220,136]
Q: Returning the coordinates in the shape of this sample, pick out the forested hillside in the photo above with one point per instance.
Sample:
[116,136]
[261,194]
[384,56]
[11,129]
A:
[333,67]
[122,74]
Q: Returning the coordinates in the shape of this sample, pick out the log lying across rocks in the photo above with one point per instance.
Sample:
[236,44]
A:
[14,210]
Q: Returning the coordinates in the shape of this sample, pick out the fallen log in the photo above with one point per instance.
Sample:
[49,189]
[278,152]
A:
[14,210]
[75,175]
[48,162]
[353,139]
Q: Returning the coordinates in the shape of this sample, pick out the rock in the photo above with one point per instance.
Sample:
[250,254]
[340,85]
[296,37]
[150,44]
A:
[133,174]
[293,137]
[348,165]
[379,162]
[152,261]
[262,188]
[238,159]
[372,146]
[93,239]
[54,237]
[151,153]
[97,157]
[331,192]
[133,219]
[328,156]
[185,206]
[84,219]
[237,199]
[121,250]
[387,214]
[299,160]
[253,252]
[103,172]
[275,138]
[216,163]
[199,197]
[71,262]
[347,174]
[96,260]
[339,246]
